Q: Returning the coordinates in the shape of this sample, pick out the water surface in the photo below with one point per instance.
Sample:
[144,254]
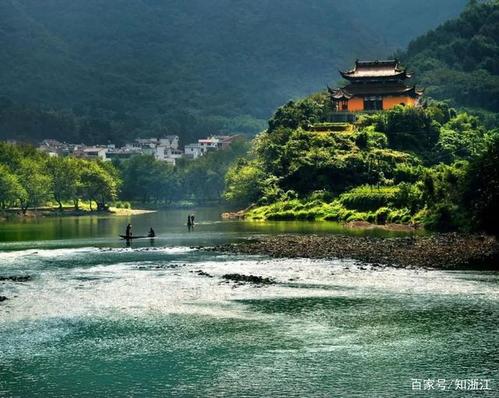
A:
[101,318]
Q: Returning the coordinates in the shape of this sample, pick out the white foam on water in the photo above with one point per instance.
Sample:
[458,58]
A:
[349,276]
[169,250]
[44,254]
[138,287]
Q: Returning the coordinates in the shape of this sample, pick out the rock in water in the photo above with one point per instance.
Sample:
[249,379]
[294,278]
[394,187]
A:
[248,278]
[16,278]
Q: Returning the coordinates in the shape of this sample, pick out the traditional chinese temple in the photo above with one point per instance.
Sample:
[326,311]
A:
[373,86]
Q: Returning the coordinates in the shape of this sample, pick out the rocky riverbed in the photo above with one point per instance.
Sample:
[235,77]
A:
[443,251]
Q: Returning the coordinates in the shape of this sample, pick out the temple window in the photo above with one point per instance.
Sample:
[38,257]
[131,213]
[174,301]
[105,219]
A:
[373,103]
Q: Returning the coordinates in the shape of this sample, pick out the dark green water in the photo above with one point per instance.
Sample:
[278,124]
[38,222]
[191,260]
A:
[99,318]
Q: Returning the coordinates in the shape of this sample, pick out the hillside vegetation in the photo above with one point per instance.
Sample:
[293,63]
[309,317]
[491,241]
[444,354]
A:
[430,165]
[30,179]
[459,61]
[107,70]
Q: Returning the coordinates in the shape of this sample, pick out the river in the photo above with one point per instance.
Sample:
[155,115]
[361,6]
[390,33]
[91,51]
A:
[100,318]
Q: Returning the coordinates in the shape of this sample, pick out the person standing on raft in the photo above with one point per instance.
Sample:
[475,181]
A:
[128,232]
[190,222]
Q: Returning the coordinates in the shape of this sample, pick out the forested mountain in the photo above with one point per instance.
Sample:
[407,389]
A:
[99,70]
[459,61]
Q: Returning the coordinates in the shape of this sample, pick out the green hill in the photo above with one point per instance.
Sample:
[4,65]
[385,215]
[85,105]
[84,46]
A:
[431,166]
[100,70]
[459,61]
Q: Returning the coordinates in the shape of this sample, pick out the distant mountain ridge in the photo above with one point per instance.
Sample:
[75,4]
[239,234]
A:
[193,66]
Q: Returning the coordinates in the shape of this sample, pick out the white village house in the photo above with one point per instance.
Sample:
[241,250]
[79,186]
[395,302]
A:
[165,149]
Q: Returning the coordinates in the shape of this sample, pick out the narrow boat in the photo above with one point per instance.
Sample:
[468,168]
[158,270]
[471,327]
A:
[136,237]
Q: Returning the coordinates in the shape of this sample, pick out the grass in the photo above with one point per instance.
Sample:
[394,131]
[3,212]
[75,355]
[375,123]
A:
[367,198]
[364,203]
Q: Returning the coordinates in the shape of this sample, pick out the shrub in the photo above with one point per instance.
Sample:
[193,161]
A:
[314,203]
[291,204]
[371,217]
[409,196]
[381,215]
[321,196]
[399,216]
[357,216]
[407,173]
[334,212]
[365,198]
[305,215]
[281,216]
[443,217]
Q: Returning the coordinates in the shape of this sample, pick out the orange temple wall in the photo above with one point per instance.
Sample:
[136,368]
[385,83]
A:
[357,104]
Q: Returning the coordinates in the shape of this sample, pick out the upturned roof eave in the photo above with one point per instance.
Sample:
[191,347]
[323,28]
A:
[351,76]
[343,94]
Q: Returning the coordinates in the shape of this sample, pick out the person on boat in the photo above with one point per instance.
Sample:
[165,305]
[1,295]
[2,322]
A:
[151,233]
[128,233]
[189,222]
[192,219]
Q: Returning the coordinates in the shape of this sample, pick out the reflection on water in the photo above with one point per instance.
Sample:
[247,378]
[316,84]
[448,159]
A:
[169,225]
[101,318]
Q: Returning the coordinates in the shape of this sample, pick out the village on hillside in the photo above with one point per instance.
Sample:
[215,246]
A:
[165,149]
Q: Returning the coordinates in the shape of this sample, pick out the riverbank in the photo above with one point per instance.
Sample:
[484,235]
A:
[129,212]
[112,211]
[442,251]
[55,212]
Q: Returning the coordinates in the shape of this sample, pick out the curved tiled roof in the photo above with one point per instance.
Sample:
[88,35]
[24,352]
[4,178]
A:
[376,69]
[360,90]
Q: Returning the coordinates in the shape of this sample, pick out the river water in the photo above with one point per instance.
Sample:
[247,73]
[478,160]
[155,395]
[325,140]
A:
[100,318]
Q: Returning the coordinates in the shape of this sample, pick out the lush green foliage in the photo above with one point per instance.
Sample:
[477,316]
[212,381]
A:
[365,197]
[11,190]
[98,70]
[29,179]
[458,60]
[149,181]
[402,165]
[65,175]
[481,187]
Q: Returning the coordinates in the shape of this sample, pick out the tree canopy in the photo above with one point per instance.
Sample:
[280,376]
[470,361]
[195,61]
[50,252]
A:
[458,60]
[431,165]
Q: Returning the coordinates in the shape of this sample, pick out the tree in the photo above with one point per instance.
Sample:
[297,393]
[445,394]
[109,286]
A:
[243,182]
[481,188]
[65,175]
[457,61]
[10,188]
[410,129]
[300,113]
[201,180]
[34,181]
[98,184]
